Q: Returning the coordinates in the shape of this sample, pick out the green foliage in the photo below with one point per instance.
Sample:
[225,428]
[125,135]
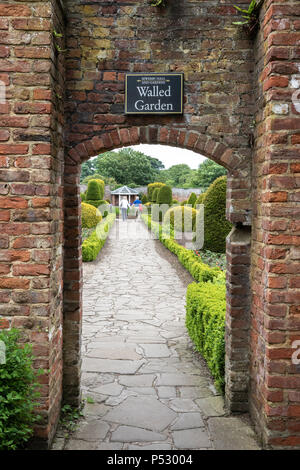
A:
[177,175]
[250,16]
[87,170]
[174,201]
[182,218]
[205,322]
[155,195]
[18,393]
[183,202]
[93,244]
[90,216]
[165,195]
[92,176]
[69,418]
[94,191]
[144,199]
[199,199]
[207,172]
[216,227]
[158,3]
[128,166]
[200,271]
[212,259]
[192,199]
[150,189]
[82,196]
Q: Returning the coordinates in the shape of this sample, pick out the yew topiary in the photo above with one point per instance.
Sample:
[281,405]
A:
[199,199]
[216,226]
[165,195]
[192,199]
[155,195]
[181,218]
[151,187]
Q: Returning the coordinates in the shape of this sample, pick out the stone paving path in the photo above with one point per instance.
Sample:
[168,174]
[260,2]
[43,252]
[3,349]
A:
[150,389]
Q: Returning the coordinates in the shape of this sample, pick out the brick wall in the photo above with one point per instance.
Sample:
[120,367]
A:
[31,161]
[275,401]
[230,80]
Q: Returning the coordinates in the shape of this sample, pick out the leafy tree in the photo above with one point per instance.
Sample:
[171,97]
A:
[207,173]
[176,175]
[87,169]
[126,166]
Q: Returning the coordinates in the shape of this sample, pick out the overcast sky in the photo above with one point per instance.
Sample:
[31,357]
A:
[170,155]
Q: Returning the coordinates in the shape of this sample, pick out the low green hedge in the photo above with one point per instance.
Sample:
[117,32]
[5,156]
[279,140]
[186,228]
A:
[205,322]
[93,244]
[193,263]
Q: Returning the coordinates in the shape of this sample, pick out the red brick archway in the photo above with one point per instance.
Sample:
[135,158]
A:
[66,91]
[238,249]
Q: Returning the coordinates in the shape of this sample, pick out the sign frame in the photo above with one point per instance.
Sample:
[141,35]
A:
[155,74]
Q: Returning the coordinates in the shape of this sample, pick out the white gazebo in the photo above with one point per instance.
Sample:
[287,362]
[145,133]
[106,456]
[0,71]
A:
[117,195]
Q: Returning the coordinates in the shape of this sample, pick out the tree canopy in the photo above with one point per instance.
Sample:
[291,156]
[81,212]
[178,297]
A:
[207,172]
[128,166]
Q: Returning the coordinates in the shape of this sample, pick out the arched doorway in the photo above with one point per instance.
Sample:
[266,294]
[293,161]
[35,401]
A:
[238,251]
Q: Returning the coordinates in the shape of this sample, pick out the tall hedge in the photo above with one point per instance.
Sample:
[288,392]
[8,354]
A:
[93,191]
[216,226]
[151,187]
[155,195]
[181,218]
[192,199]
[199,199]
[165,195]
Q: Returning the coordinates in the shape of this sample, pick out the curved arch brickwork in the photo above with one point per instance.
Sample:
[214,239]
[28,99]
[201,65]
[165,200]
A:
[67,89]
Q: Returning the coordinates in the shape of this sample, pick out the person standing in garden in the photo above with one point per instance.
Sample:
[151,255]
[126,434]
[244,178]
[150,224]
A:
[124,204]
[137,205]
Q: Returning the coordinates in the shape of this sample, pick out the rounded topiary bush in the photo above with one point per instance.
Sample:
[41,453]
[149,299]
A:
[150,189]
[102,187]
[216,227]
[165,195]
[181,218]
[18,391]
[90,216]
[93,191]
[192,199]
[155,195]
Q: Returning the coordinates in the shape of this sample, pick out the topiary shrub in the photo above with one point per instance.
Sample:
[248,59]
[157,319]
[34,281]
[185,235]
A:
[216,227]
[183,202]
[18,392]
[174,201]
[102,187]
[192,199]
[95,193]
[205,322]
[82,195]
[90,216]
[181,219]
[150,189]
[155,195]
[199,199]
[165,195]
[144,199]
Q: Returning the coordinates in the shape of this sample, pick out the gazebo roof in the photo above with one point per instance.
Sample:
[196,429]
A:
[124,190]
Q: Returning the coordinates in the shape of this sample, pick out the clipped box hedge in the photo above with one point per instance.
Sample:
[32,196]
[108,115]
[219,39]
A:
[199,270]
[205,322]
[93,244]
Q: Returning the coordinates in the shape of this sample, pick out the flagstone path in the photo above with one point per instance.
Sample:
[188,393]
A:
[150,389]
